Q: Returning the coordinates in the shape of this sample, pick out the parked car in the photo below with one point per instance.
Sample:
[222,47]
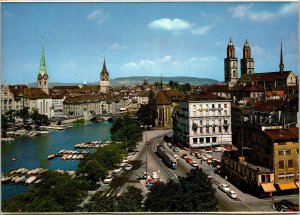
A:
[194,164]
[184,156]
[231,194]
[128,167]
[283,205]
[175,156]
[224,187]
[125,160]
[175,149]
[198,155]
[116,171]
[204,158]
[108,179]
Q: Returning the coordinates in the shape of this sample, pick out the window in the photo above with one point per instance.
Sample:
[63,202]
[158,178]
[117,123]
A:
[201,123]
[195,141]
[220,129]
[289,175]
[194,106]
[219,105]
[290,163]
[225,105]
[213,106]
[207,139]
[281,164]
[214,139]
[281,152]
[201,130]
[281,176]
[201,140]
[207,129]
[288,152]
[263,178]
[214,129]
[225,112]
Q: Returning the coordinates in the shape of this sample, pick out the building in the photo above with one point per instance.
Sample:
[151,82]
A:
[104,79]
[57,105]
[247,62]
[7,99]
[166,101]
[42,78]
[203,120]
[231,65]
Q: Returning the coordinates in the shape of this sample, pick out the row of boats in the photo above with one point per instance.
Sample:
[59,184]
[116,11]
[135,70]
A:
[69,154]
[72,157]
[92,144]
[36,171]
[25,179]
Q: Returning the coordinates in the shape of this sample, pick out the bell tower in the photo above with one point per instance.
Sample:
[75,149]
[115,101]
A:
[42,78]
[230,65]
[104,79]
[247,63]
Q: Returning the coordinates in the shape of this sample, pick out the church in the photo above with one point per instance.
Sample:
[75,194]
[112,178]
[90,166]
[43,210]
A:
[267,80]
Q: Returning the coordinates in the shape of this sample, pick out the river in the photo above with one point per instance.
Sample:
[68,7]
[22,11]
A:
[32,152]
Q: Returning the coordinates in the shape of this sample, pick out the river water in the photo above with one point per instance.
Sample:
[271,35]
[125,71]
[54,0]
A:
[32,152]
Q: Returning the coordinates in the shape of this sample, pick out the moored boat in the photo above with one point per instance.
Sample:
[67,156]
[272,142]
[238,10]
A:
[5,179]
[30,180]
[50,157]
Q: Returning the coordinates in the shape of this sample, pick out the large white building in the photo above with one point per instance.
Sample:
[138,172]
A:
[203,120]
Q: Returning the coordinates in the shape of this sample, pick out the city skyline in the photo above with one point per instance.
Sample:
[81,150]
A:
[143,39]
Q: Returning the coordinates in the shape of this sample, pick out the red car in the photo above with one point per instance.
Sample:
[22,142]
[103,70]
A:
[189,160]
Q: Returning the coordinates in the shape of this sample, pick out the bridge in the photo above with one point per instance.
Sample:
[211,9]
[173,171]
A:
[106,117]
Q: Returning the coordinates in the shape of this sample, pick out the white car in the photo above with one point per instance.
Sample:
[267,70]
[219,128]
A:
[128,167]
[154,175]
[116,171]
[224,187]
[204,158]
[108,179]
[125,160]
[194,164]
[231,194]
[175,156]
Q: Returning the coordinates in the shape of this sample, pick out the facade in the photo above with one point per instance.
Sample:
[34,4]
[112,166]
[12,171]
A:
[7,99]
[42,78]
[204,120]
[57,105]
[104,79]
[231,65]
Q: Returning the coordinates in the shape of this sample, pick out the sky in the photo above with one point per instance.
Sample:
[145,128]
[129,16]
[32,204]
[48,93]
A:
[143,39]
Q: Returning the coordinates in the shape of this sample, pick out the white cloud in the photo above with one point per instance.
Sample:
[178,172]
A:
[148,63]
[258,50]
[116,46]
[98,15]
[170,24]
[202,30]
[245,11]
[202,59]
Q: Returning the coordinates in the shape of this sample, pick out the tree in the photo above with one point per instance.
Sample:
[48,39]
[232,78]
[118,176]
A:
[185,87]
[131,200]
[24,114]
[4,122]
[173,85]
[194,193]
[10,116]
[92,170]
[148,113]
[39,119]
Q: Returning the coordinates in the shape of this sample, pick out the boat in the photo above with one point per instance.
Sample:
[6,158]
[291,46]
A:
[19,179]
[30,180]
[13,159]
[24,171]
[61,151]
[69,157]
[14,178]
[50,157]
[5,179]
[64,157]
[37,181]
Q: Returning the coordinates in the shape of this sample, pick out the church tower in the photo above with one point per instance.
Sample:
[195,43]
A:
[104,79]
[281,65]
[247,63]
[231,65]
[42,78]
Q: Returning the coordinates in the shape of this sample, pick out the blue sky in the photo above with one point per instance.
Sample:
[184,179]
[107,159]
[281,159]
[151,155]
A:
[143,39]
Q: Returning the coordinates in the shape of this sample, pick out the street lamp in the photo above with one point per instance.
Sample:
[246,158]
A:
[146,127]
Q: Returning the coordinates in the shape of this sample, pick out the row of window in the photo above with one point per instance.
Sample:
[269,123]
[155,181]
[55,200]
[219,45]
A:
[207,106]
[205,140]
[281,164]
[287,175]
[214,129]
[285,152]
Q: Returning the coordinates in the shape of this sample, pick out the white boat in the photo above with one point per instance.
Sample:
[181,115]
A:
[61,151]
[37,181]
[50,157]
[25,171]
[30,180]
[6,179]
[69,157]
[14,178]
[19,179]
[64,157]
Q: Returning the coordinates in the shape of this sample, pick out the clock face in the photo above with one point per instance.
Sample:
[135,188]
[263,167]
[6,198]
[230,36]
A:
[45,76]
[39,76]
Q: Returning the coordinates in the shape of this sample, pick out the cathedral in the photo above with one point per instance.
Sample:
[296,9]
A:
[42,78]
[104,79]
[268,80]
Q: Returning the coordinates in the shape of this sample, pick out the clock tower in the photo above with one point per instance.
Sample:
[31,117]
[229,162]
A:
[247,63]
[42,78]
[230,65]
[104,79]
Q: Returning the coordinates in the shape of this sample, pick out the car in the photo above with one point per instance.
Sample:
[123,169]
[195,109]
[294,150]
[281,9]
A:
[231,194]
[283,205]
[122,164]
[194,164]
[118,170]
[108,179]
[128,167]
[169,144]
[155,175]
[204,158]
[184,156]
[175,149]
[224,188]
[189,160]
[175,156]
[125,160]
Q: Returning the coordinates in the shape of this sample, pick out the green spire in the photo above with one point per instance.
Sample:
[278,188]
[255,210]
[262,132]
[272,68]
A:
[42,70]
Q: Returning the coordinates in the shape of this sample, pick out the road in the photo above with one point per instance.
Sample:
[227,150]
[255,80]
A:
[243,203]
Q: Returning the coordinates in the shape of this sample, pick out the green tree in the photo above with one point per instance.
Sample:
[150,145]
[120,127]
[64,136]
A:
[4,122]
[130,201]
[39,119]
[173,85]
[10,116]
[92,170]
[194,193]
[24,114]
[185,87]
[148,113]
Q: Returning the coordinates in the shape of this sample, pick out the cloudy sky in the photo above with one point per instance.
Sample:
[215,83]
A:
[143,39]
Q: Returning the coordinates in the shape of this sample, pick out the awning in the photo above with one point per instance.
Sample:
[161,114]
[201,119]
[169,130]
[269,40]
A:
[268,187]
[287,186]
[297,183]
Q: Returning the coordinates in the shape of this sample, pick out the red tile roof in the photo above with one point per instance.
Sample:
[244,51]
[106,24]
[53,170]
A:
[283,134]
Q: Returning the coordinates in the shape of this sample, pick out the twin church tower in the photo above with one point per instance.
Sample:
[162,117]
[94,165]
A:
[43,78]
[231,63]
